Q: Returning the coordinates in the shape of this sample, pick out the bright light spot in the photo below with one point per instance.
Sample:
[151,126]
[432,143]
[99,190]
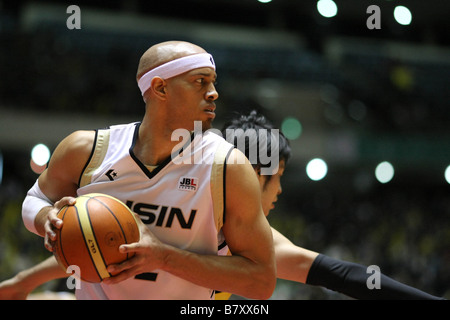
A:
[291,128]
[327,8]
[384,172]
[316,169]
[402,15]
[40,154]
[447,174]
[264,1]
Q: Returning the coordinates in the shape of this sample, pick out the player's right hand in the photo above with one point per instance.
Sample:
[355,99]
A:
[53,222]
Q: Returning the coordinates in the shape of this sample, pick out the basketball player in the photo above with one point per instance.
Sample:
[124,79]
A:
[136,164]
[293,263]
[298,264]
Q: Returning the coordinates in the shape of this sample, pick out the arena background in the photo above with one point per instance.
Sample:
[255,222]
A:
[347,94]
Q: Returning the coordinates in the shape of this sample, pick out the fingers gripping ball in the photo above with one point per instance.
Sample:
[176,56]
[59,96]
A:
[92,231]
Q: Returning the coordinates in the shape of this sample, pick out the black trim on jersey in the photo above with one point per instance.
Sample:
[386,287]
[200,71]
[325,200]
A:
[148,173]
[149,276]
[224,188]
[222,245]
[89,159]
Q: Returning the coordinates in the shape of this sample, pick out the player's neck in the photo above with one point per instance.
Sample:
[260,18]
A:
[154,144]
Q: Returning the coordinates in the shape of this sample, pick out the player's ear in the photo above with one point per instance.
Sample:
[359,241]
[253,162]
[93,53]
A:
[158,86]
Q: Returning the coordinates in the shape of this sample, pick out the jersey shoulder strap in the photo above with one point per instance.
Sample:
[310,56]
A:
[218,173]
[97,156]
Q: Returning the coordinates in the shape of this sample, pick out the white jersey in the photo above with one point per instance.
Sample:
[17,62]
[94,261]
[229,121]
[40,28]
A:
[181,201]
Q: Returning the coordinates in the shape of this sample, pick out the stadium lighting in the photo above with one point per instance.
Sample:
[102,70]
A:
[316,169]
[291,128]
[384,172]
[40,154]
[402,15]
[327,8]
[447,174]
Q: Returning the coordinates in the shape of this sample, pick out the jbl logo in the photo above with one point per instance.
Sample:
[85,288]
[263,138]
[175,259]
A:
[188,183]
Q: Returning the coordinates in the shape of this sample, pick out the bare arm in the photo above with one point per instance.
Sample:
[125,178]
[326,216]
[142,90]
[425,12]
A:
[249,272]
[293,262]
[23,283]
[247,231]
[59,181]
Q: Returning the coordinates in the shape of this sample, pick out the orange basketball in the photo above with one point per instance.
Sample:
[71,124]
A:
[92,231]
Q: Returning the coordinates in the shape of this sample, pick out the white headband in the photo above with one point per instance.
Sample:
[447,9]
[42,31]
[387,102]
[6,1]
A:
[176,67]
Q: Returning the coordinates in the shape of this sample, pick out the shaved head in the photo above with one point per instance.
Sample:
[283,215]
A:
[164,52]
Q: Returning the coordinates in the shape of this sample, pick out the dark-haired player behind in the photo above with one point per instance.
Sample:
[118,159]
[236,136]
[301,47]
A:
[296,263]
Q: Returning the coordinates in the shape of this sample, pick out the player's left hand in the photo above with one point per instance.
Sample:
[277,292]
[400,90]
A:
[148,256]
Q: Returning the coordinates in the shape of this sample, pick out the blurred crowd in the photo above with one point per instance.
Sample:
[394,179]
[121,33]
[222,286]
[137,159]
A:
[403,227]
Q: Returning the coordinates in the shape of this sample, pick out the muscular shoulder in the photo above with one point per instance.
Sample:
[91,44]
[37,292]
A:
[80,141]
[241,182]
[74,151]
[66,164]
[239,167]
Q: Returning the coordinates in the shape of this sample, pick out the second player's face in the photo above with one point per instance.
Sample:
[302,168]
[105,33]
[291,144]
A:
[271,188]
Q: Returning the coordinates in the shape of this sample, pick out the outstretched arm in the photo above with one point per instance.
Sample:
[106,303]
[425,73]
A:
[293,262]
[23,283]
[351,279]
[301,265]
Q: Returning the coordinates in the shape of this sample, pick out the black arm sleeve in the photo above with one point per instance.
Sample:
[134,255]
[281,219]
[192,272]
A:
[351,279]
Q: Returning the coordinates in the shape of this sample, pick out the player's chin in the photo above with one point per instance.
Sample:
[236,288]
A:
[207,124]
[267,211]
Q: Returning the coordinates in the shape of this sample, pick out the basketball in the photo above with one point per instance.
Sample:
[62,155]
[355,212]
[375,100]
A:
[92,231]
